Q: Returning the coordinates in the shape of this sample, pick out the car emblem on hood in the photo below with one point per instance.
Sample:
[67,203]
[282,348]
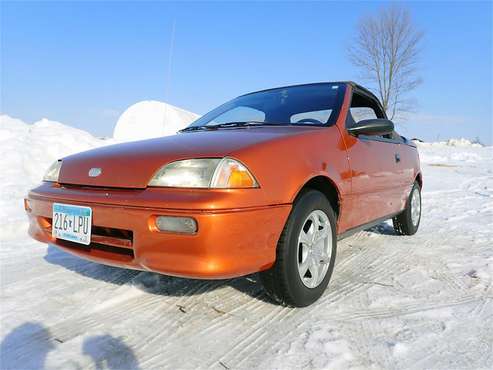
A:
[95,172]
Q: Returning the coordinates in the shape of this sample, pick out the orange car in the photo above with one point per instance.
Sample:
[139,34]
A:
[267,182]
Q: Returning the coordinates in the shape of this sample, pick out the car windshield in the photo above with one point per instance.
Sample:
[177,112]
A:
[315,104]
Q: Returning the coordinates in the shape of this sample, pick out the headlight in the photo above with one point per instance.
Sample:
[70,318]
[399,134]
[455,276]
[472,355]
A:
[225,173]
[53,172]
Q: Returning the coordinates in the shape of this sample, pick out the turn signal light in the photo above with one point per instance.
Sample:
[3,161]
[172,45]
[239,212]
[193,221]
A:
[231,174]
[175,224]
[239,178]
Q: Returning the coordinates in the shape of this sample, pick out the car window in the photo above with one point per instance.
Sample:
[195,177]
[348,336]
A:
[361,113]
[363,107]
[240,114]
[317,116]
[316,104]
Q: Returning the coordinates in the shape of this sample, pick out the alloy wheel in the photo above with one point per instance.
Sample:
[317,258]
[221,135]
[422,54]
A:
[314,248]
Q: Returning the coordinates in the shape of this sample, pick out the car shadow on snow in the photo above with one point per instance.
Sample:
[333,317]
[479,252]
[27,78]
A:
[164,285]
[27,346]
[151,282]
[384,228]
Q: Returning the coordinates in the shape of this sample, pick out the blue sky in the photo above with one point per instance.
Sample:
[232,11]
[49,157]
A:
[85,63]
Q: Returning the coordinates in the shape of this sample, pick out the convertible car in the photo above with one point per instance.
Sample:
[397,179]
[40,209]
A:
[265,183]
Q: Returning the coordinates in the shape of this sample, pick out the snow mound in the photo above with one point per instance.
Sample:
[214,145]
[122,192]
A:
[461,143]
[27,150]
[454,152]
[151,118]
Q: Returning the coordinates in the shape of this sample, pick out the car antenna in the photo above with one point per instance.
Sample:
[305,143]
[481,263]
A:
[168,74]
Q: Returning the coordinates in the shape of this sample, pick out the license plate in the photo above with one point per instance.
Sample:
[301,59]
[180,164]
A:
[72,223]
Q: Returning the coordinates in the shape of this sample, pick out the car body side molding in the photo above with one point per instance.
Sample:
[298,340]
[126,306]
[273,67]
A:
[366,226]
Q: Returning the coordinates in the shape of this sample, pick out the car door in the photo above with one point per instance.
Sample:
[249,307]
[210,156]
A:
[376,187]
[407,167]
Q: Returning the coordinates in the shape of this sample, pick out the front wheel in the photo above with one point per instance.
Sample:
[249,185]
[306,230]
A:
[407,222]
[306,253]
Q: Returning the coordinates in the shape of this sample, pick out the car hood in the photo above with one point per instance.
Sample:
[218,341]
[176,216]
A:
[132,165]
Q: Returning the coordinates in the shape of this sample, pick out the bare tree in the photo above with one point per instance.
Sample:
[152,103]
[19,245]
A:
[386,50]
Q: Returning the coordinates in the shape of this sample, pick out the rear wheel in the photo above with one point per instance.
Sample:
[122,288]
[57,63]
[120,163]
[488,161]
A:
[306,253]
[407,222]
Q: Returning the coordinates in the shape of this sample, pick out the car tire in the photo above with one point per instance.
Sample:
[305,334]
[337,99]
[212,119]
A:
[407,222]
[308,238]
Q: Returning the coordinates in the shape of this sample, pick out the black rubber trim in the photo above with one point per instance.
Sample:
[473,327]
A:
[379,138]
[389,141]
[102,247]
[366,226]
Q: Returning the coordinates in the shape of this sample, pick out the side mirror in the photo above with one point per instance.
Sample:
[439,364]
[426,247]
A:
[377,126]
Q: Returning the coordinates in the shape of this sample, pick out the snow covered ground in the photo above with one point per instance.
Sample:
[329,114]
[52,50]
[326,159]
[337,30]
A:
[395,302]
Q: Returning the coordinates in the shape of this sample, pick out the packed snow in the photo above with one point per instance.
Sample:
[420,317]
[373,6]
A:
[418,302]
[26,151]
[148,119]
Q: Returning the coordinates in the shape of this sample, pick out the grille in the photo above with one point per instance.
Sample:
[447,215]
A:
[97,247]
[107,240]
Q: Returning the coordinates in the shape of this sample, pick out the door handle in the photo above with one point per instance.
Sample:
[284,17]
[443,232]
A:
[397,158]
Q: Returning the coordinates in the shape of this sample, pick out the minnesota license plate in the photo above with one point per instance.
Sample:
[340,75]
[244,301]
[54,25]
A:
[72,223]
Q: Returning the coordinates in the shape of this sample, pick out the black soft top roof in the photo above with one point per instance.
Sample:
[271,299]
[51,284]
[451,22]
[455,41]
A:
[351,83]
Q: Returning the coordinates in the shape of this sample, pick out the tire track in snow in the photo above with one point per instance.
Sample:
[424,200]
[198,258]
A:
[220,325]
[452,281]
[211,328]
[360,265]
[132,300]
[248,339]
[175,330]
[267,335]
[348,289]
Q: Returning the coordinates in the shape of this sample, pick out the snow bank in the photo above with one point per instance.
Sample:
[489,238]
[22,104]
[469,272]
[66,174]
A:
[454,152]
[27,150]
[461,143]
[150,118]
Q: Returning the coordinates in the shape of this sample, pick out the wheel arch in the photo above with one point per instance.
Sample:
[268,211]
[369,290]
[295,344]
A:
[419,179]
[327,187]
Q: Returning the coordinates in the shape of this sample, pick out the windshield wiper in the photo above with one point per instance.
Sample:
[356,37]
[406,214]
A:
[236,124]
[233,124]
[247,123]
[194,128]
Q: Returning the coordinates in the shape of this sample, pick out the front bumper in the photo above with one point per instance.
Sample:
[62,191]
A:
[229,242]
